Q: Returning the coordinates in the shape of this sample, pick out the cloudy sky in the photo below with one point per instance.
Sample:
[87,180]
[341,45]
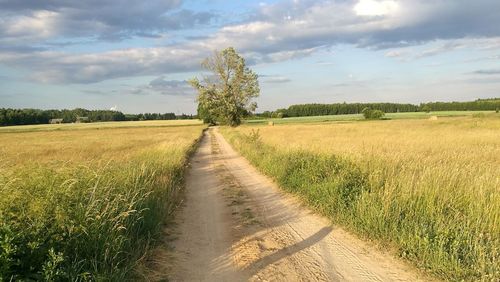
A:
[136,55]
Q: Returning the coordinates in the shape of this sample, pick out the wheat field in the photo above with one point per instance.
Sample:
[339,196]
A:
[428,190]
[86,204]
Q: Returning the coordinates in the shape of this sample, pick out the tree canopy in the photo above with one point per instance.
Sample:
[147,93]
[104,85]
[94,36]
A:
[225,96]
[356,108]
[35,116]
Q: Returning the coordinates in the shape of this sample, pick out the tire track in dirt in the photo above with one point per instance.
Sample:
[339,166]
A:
[237,225]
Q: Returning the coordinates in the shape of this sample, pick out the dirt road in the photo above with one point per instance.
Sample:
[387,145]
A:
[238,226]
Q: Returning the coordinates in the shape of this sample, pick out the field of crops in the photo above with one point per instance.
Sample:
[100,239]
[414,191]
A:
[356,117]
[100,125]
[85,204]
[429,190]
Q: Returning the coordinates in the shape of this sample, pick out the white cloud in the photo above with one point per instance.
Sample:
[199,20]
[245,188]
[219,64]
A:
[394,54]
[445,46]
[274,79]
[268,37]
[375,8]
[33,21]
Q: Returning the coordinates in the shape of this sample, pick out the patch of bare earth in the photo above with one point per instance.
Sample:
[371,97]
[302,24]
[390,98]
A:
[237,225]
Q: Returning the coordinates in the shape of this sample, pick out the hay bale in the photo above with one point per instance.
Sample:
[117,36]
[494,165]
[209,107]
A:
[270,123]
[433,118]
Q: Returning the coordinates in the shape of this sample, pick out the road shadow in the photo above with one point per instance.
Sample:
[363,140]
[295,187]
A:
[262,263]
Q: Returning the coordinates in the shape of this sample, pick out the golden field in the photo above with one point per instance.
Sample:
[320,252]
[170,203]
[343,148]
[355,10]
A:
[100,125]
[428,189]
[86,204]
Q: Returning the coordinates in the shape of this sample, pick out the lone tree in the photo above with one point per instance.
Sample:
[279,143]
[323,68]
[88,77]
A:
[225,96]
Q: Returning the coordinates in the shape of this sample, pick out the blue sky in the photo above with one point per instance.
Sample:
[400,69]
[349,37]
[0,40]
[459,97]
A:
[135,55]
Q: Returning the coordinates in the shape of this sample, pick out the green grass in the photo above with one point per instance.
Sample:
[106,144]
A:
[85,205]
[429,190]
[357,117]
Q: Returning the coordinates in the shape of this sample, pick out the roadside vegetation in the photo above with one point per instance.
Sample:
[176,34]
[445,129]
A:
[85,205]
[429,190]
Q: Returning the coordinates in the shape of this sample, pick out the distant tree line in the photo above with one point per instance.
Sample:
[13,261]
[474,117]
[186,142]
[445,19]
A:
[158,116]
[338,109]
[35,116]
[357,108]
[478,105]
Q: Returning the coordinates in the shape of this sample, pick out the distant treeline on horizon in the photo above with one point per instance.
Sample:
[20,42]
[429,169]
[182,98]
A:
[356,108]
[10,116]
[35,116]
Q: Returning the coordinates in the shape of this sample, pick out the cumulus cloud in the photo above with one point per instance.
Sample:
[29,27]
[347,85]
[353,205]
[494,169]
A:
[163,86]
[38,20]
[375,8]
[444,46]
[275,32]
[171,87]
[60,67]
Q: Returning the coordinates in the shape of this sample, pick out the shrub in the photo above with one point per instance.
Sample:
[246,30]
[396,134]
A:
[372,114]
[277,115]
[426,109]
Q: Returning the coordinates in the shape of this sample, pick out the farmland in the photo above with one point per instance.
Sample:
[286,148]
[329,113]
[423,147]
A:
[427,190]
[99,125]
[357,117]
[85,201]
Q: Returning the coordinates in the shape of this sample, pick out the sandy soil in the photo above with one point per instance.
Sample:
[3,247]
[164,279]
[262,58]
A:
[237,225]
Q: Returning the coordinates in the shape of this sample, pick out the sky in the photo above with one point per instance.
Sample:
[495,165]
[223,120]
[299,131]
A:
[135,56]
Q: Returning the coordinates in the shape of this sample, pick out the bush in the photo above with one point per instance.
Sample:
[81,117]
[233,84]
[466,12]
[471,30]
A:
[426,109]
[277,115]
[372,114]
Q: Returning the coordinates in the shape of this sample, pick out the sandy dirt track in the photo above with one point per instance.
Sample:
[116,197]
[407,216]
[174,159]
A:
[237,225]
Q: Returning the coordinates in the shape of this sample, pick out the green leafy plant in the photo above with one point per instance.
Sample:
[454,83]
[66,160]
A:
[372,114]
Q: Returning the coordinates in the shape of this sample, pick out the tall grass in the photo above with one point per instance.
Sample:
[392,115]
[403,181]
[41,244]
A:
[428,189]
[89,209]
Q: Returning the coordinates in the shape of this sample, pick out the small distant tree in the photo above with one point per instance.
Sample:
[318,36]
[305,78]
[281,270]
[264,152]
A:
[226,95]
[426,109]
[368,113]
